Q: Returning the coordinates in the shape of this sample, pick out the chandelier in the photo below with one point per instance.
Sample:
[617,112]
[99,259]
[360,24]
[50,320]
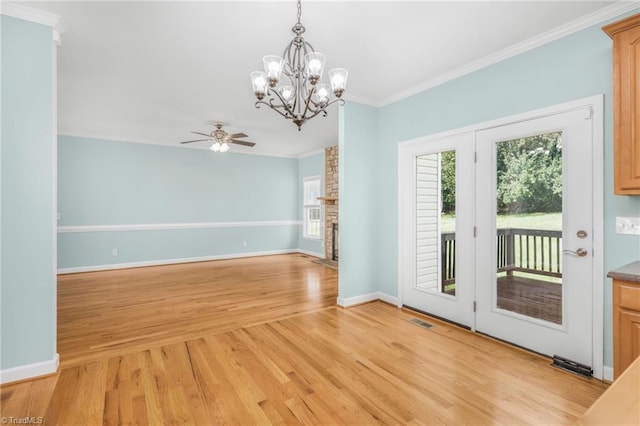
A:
[292,84]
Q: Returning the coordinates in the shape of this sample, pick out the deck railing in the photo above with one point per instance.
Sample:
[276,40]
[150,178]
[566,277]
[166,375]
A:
[534,251]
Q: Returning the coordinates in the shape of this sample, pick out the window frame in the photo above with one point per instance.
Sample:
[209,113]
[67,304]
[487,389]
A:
[306,208]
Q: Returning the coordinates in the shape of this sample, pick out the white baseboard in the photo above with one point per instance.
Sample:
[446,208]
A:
[171,261]
[311,253]
[392,300]
[346,302]
[29,371]
[607,373]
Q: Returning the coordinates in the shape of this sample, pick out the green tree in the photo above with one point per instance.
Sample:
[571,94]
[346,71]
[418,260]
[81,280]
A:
[448,181]
[530,174]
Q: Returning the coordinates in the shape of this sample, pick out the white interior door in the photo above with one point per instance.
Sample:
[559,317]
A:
[436,227]
[534,278]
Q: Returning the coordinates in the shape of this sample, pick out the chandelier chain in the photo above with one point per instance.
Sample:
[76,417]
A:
[299,12]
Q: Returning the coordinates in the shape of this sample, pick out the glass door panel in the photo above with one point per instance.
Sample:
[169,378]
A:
[529,226]
[435,222]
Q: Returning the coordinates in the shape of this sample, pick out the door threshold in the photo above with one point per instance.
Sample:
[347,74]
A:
[420,311]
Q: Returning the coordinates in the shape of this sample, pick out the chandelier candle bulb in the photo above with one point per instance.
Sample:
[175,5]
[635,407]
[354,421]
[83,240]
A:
[322,93]
[338,79]
[273,68]
[259,82]
[315,65]
[287,93]
[305,96]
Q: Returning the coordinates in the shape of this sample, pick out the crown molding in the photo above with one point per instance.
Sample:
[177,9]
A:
[554,34]
[30,14]
[361,100]
[310,153]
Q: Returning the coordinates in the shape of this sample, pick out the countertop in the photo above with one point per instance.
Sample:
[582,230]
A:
[620,404]
[630,272]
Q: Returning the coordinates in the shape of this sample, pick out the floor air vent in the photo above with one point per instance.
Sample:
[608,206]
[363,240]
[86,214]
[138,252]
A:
[572,366]
[421,323]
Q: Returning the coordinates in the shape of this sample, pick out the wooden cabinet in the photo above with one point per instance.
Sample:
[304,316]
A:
[626,101]
[626,324]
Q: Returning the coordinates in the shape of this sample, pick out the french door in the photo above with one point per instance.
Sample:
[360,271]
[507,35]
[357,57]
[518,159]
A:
[496,230]
[534,262]
[438,177]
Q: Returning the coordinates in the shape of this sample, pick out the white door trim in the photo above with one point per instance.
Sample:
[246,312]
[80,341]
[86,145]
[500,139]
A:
[597,108]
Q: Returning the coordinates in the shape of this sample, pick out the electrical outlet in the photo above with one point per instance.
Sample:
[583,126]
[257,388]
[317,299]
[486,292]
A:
[58,216]
[114,252]
[244,243]
[628,225]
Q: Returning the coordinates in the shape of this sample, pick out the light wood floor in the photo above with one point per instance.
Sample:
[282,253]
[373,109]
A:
[115,312]
[363,365]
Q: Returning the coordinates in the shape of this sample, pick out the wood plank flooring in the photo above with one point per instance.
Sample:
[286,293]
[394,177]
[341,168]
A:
[363,365]
[114,312]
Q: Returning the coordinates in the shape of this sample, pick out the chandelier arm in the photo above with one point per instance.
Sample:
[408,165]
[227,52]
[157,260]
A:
[306,104]
[317,106]
[293,83]
[284,103]
[273,108]
[298,74]
[339,100]
[324,108]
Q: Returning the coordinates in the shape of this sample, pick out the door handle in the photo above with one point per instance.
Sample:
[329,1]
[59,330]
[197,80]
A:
[579,253]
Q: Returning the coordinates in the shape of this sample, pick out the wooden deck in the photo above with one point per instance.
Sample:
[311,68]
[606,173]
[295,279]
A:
[534,298]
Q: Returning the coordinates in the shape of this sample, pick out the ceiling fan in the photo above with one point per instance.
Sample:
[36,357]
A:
[221,139]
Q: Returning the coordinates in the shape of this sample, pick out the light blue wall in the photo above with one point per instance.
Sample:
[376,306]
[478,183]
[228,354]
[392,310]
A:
[359,204]
[117,183]
[574,67]
[312,165]
[28,293]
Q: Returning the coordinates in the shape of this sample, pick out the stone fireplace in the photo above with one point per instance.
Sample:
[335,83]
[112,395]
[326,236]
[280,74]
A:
[330,200]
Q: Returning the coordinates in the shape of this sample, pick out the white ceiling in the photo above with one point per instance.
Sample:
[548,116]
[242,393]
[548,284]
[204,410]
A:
[153,71]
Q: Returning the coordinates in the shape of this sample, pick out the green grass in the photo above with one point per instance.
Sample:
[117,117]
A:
[549,221]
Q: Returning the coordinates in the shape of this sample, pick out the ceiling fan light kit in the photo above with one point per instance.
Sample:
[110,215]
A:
[221,139]
[302,96]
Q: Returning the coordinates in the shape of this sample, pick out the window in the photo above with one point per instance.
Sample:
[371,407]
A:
[311,207]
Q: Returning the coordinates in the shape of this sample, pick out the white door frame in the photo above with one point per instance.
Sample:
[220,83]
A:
[597,108]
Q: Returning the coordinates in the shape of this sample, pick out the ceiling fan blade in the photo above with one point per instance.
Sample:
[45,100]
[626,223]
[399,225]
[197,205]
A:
[197,140]
[237,135]
[245,143]
[201,134]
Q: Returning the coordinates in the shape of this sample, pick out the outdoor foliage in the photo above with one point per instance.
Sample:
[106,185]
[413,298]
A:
[448,177]
[529,175]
